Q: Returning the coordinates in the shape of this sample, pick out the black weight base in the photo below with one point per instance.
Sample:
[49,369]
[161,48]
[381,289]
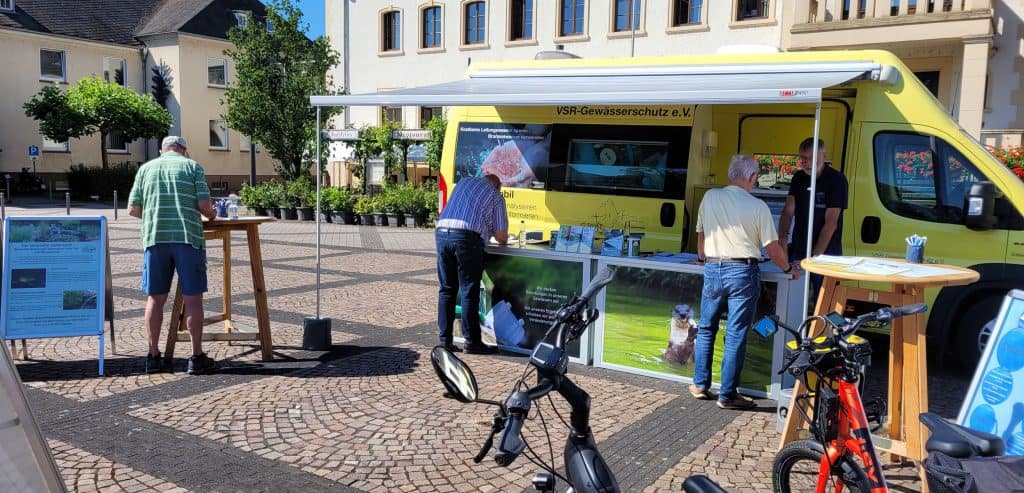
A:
[316,334]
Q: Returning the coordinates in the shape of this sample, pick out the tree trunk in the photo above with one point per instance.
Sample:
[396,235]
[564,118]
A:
[366,176]
[103,149]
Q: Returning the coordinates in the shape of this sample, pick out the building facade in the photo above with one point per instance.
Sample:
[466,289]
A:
[969,52]
[61,42]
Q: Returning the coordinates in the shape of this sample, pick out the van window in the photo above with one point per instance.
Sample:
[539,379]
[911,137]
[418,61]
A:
[922,177]
[637,161]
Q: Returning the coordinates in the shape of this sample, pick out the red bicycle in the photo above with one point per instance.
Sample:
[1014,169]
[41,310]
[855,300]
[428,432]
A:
[841,455]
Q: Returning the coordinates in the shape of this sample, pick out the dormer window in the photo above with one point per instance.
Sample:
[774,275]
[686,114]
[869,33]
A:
[7,5]
[241,18]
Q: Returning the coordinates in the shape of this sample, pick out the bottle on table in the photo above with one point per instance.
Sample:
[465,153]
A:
[521,237]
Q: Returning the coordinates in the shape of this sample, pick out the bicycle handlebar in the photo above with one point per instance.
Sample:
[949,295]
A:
[602,279]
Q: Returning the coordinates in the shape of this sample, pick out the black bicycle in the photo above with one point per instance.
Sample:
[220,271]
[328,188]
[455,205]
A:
[585,469]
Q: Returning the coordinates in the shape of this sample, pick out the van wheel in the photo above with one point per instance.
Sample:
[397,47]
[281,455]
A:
[973,330]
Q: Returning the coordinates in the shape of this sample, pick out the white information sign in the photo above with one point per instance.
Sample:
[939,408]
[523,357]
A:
[54,278]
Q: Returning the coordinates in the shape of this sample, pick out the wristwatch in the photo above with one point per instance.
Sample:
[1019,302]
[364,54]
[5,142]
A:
[788,270]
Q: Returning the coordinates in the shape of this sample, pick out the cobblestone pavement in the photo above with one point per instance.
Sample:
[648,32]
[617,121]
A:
[365,416]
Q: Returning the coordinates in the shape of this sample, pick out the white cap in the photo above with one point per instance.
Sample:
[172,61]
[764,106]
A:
[173,140]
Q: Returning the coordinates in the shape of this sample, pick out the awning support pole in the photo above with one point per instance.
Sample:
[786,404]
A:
[810,212]
[318,212]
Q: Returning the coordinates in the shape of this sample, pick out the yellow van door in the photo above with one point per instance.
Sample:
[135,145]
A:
[912,181]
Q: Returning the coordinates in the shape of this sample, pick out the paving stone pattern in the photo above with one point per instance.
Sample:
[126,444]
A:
[366,415]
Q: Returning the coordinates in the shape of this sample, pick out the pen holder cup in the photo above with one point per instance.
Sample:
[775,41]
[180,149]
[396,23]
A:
[915,254]
[222,209]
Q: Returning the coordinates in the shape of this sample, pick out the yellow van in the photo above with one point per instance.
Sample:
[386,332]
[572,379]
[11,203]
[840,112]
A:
[639,166]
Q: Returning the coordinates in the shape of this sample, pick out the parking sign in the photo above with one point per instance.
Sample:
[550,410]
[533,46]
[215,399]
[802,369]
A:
[33,151]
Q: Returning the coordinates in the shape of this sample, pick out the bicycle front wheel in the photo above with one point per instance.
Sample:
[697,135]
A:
[795,470]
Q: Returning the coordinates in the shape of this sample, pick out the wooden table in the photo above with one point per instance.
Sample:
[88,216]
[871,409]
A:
[908,367]
[221,229]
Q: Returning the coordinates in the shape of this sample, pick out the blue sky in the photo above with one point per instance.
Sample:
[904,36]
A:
[313,14]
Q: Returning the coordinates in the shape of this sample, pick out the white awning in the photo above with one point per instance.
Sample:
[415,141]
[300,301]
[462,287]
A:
[626,85]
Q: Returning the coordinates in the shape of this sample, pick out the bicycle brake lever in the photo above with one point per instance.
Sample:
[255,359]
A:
[788,363]
[498,425]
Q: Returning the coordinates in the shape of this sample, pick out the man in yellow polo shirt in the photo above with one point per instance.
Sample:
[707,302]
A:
[732,226]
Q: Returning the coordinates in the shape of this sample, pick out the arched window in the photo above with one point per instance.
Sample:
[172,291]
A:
[431,27]
[476,23]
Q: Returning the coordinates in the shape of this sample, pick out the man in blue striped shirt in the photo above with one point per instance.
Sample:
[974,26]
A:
[475,212]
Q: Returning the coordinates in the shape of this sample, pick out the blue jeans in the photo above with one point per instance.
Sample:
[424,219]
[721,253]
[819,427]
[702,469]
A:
[737,287]
[460,266]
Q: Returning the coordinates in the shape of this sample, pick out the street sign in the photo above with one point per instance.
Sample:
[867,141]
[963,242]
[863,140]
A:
[343,135]
[33,151]
[411,134]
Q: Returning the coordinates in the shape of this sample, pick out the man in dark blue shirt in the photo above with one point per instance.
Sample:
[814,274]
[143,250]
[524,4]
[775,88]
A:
[831,197]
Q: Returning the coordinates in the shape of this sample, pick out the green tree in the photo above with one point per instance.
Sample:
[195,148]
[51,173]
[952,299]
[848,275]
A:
[96,106]
[388,147]
[435,144]
[363,150]
[278,68]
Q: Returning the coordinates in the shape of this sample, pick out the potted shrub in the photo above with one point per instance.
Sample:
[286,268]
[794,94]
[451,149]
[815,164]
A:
[249,196]
[392,206]
[328,196]
[380,205]
[273,197]
[341,206]
[300,191]
[288,210]
[420,207]
[409,200]
[364,208]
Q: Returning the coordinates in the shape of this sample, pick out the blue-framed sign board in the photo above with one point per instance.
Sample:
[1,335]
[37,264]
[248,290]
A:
[995,400]
[54,278]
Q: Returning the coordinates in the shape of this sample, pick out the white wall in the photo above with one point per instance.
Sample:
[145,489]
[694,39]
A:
[1005,108]
[372,71]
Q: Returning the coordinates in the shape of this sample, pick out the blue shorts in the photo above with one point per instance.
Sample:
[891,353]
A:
[162,259]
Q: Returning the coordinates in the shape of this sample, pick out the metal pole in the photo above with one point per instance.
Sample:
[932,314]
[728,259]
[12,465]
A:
[3,206]
[67,201]
[115,205]
[810,212]
[252,164]
[50,191]
[318,213]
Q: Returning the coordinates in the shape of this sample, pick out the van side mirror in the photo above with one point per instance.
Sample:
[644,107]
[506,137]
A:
[980,209]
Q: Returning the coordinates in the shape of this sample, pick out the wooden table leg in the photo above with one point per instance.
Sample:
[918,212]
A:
[14,349]
[915,376]
[897,347]
[826,299]
[24,350]
[226,241]
[260,290]
[177,319]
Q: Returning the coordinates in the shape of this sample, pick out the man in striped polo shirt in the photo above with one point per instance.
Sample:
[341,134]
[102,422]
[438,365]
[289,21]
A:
[169,194]
[474,213]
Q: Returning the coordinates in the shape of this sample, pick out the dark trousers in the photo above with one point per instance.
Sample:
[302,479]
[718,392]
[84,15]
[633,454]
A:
[460,266]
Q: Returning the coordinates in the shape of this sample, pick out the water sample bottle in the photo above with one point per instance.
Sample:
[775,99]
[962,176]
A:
[521,238]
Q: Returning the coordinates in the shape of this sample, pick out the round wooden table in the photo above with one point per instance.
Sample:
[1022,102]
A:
[908,367]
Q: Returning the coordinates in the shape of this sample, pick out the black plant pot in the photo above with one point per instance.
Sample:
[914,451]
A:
[306,213]
[328,216]
[274,212]
[344,217]
[380,219]
[366,219]
[258,211]
[396,219]
[410,221]
[290,213]
[421,220]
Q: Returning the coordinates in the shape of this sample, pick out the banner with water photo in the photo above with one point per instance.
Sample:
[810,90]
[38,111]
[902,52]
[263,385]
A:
[651,320]
[516,153]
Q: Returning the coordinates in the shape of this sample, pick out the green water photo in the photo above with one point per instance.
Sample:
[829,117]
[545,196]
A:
[638,313]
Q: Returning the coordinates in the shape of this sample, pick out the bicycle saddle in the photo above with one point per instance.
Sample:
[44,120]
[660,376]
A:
[701,484]
[959,442]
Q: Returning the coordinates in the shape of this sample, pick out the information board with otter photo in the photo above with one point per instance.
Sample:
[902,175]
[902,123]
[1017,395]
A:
[516,153]
[54,277]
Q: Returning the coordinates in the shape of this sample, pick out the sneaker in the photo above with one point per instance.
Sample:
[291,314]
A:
[154,363]
[201,364]
[699,393]
[739,402]
[480,349]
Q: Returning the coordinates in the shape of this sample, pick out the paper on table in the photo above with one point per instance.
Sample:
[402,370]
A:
[876,268]
[928,271]
[837,260]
